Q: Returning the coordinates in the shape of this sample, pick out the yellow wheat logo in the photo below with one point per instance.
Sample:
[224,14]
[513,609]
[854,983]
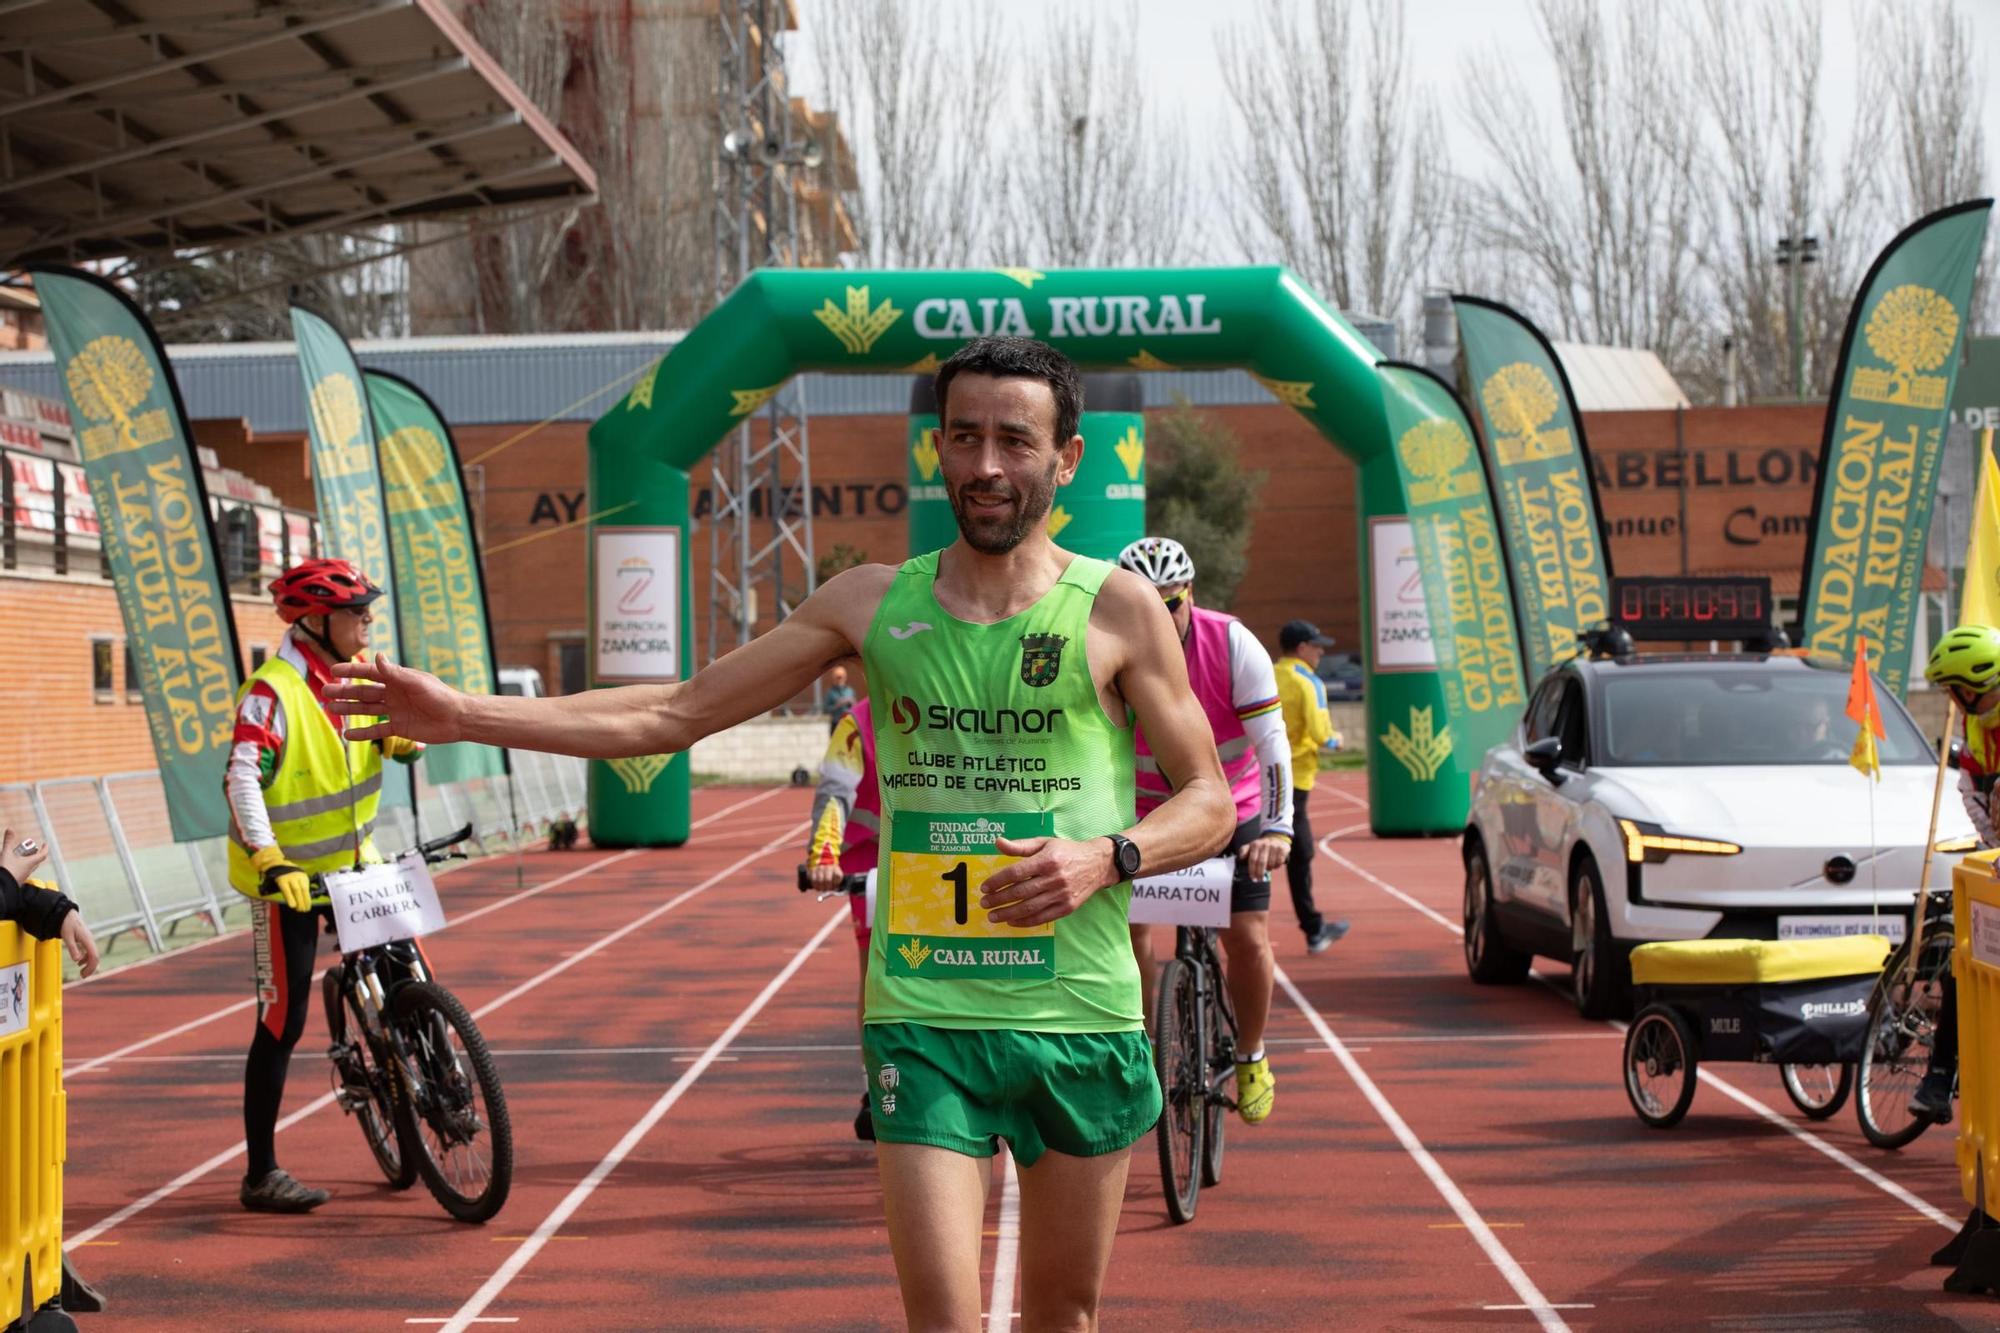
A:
[1027,277]
[1520,400]
[1131,451]
[925,452]
[749,400]
[1145,360]
[642,392]
[1435,454]
[638,773]
[914,952]
[1292,393]
[108,379]
[1913,329]
[1419,750]
[336,409]
[1059,518]
[858,326]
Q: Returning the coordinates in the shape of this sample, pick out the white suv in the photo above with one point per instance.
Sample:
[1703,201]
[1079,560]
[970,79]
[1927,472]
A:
[1677,797]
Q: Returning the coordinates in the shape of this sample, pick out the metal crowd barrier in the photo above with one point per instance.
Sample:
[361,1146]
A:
[111,847]
[31,1123]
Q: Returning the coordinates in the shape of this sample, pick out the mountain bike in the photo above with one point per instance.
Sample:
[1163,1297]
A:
[410,1064]
[1902,1022]
[1194,1053]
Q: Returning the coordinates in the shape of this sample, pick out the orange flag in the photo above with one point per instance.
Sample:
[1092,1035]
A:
[1867,715]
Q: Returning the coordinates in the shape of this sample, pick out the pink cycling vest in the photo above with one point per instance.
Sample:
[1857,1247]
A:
[1207,647]
[864,822]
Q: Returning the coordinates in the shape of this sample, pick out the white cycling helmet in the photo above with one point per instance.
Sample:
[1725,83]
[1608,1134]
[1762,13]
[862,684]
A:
[1161,561]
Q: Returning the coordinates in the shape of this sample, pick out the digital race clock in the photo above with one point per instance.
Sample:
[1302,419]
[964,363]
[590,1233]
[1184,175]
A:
[1692,607]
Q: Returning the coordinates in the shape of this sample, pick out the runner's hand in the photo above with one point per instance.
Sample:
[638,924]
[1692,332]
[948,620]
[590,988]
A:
[1052,879]
[1266,854]
[76,938]
[412,704]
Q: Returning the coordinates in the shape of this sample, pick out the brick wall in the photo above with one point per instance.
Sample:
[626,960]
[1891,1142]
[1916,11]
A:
[56,726]
[766,749]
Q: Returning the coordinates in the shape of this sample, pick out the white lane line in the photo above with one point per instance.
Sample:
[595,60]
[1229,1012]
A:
[1381,884]
[470,1312]
[187,1178]
[109,972]
[790,835]
[1723,1086]
[1000,1305]
[1516,1276]
[98,1062]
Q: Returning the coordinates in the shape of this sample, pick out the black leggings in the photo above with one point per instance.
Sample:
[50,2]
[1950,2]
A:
[285,943]
[1299,866]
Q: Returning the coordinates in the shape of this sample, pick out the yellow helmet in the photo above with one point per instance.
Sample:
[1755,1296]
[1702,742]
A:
[1967,656]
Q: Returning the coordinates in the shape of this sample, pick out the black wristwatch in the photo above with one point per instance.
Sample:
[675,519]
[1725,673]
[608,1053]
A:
[1124,855]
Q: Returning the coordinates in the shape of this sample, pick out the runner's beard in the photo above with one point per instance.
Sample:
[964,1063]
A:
[998,533]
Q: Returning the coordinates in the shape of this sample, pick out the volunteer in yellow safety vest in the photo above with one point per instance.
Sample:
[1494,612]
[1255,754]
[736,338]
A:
[1966,663]
[302,801]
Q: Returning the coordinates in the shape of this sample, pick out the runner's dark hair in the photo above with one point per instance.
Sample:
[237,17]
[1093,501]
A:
[1018,358]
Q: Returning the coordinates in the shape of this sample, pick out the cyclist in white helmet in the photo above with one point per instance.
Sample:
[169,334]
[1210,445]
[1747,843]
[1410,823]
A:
[1238,689]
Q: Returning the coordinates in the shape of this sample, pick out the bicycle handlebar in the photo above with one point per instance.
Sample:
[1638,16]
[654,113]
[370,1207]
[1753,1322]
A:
[852,885]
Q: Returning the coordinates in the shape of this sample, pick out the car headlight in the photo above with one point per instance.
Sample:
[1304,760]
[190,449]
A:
[1968,843]
[1650,842]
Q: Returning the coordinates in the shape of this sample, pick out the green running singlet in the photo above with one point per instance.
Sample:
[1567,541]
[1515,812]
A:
[985,731]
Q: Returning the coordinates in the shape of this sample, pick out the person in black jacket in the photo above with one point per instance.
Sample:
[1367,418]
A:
[43,912]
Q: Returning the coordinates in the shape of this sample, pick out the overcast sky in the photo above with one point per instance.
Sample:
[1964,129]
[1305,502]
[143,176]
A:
[1179,66]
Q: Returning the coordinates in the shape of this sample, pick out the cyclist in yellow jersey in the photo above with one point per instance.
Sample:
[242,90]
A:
[1002,995]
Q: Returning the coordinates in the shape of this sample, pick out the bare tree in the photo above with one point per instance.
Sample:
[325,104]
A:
[1342,171]
[1603,234]
[1098,181]
[514,268]
[1930,83]
[650,262]
[899,85]
[1758,72]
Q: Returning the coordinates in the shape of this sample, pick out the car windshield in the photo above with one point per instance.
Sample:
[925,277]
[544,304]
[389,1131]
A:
[1680,718]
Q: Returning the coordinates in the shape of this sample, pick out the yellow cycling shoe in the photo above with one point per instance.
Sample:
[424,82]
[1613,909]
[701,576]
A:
[1256,1089]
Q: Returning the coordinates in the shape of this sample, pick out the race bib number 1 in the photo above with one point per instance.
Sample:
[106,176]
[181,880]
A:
[936,927]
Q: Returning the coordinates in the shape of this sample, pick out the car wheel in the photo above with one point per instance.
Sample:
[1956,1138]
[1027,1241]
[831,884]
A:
[1488,958]
[1597,964]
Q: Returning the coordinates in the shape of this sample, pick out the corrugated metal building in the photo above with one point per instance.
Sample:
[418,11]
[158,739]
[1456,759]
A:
[571,377]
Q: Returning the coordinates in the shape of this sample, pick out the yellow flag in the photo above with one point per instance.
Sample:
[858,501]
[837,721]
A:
[1981,602]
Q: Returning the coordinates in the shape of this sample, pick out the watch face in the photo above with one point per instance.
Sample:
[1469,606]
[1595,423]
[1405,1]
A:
[1128,856]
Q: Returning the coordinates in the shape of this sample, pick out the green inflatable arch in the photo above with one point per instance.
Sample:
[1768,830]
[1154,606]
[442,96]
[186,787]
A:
[781,322]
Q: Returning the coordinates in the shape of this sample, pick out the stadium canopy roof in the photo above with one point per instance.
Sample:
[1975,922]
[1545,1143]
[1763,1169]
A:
[153,131]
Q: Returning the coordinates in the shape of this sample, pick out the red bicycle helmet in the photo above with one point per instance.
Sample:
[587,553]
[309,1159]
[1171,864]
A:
[315,587]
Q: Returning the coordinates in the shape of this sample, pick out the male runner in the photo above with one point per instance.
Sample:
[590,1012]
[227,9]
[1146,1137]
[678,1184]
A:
[1002,996]
[1238,691]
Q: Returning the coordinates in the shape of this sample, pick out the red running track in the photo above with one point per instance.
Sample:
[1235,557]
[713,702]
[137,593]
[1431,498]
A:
[675,1029]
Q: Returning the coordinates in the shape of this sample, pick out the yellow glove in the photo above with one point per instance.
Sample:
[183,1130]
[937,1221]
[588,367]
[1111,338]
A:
[291,884]
[401,750]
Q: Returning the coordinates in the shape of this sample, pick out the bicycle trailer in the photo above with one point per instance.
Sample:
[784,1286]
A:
[1802,1004]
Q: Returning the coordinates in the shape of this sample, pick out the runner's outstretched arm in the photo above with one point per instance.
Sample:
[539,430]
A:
[1057,876]
[633,720]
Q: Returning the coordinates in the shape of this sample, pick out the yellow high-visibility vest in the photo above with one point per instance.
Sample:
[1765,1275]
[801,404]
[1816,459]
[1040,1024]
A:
[325,790]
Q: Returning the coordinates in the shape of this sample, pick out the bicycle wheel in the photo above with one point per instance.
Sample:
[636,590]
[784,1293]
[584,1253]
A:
[1817,1090]
[466,1144]
[1221,1081]
[1902,1019]
[1180,1062]
[367,1091]
[1659,1066]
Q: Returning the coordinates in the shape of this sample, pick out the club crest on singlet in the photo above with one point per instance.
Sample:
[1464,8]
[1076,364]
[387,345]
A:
[1041,658]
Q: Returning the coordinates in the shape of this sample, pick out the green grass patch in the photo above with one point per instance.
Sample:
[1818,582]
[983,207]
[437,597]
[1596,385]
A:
[1343,760]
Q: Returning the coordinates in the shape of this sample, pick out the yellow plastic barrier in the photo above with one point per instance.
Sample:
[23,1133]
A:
[31,1121]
